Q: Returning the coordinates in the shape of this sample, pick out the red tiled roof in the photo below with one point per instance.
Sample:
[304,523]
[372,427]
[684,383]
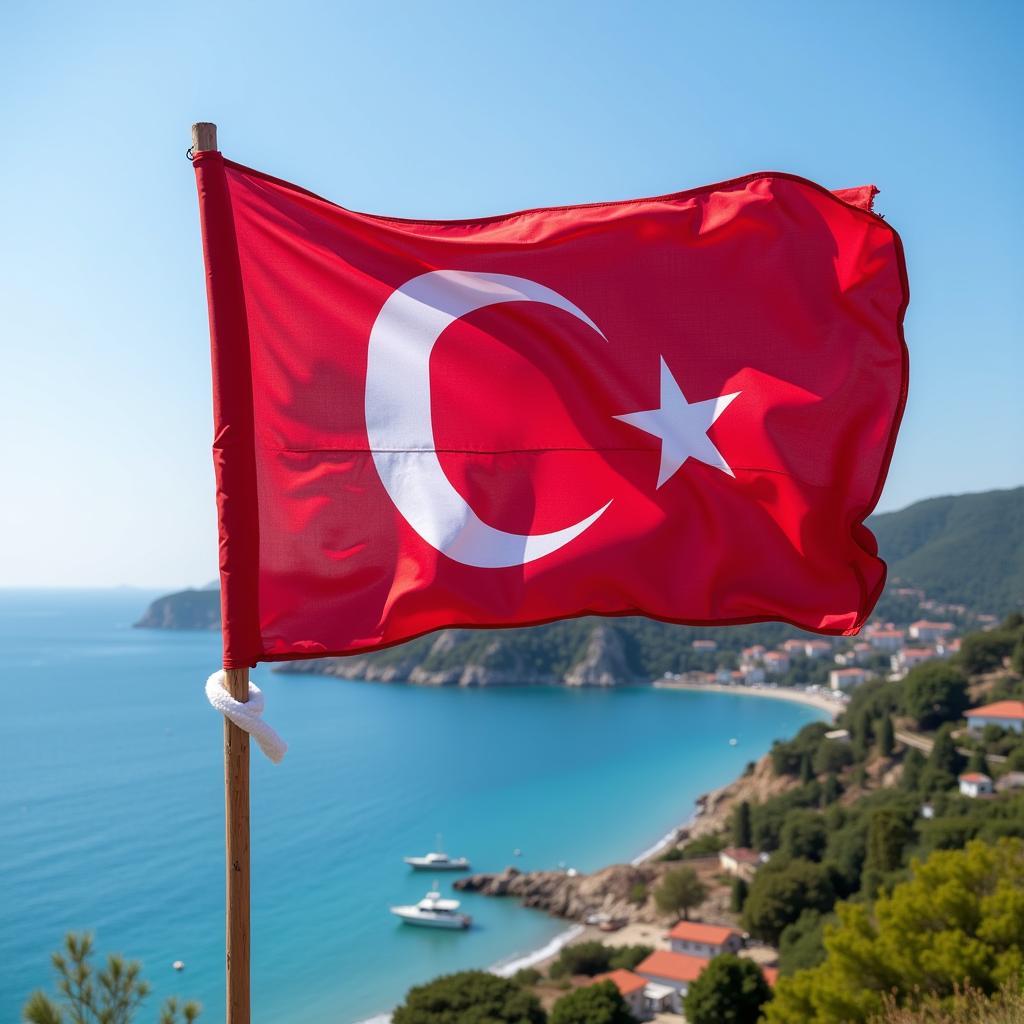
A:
[771,975]
[625,981]
[742,854]
[674,966]
[1001,709]
[697,931]
[974,777]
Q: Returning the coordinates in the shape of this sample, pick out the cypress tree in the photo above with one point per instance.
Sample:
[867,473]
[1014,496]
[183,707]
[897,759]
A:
[739,895]
[741,831]
[913,766]
[831,792]
[806,773]
[886,737]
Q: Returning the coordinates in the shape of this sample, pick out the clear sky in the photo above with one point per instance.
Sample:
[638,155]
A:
[451,110]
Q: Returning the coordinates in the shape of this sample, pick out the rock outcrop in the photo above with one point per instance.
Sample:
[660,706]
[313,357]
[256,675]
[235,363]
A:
[187,609]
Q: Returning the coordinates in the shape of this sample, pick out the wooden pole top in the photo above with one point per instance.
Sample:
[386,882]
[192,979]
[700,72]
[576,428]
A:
[204,137]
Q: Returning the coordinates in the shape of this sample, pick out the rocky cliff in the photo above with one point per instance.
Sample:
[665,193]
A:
[459,657]
[187,609]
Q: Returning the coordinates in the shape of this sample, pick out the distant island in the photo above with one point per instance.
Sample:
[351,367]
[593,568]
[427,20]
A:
[958,557]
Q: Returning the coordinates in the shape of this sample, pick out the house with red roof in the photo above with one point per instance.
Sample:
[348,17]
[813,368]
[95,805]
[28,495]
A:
[975,784]
[673,971]
[929,632]
[907,657]
[739,861]
[886,638]
[631,987]
[696,938]
[1007,714]
[846,678]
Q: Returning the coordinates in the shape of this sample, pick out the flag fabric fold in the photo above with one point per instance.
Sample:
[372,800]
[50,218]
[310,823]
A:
[682,407]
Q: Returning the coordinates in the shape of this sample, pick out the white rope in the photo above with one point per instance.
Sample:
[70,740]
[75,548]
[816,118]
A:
[246,716]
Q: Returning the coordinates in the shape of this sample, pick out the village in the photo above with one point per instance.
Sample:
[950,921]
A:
[656,987]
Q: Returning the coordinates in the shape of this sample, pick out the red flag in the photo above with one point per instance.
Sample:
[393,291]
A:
[682,407]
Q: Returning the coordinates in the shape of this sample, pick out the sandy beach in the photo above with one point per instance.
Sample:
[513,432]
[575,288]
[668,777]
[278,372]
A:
[815,699]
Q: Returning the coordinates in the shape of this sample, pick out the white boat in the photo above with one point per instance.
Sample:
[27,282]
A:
[433,912]
[437,861]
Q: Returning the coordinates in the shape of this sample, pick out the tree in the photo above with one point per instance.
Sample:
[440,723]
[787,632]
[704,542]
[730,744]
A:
[593,1004]
[679,892]
[1017,658]
[738,894]
[469,997]
[806,772]
[741,834]
[803,835]
[832,757]
[944,763]
[860,738]
[913,767]
[590,958]
[934,693]
[888,836]
[627,957]
[801,944]
[886,737]
[973,903]
[112,995]
[780,894]
[831,791]
[976,762]
[730,990]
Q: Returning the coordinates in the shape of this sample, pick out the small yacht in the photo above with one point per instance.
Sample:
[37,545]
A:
[437,861]
[433,912]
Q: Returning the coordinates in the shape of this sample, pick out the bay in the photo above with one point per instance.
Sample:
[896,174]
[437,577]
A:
[111,807]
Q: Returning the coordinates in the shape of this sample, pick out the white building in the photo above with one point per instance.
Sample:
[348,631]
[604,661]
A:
[907,657]
[1007,714]
[707,940]
[886,639]
[975,784]
[817,648]
[776,663]
[631,987]
[929,632]
[675,971]
[739,861]
[705,645]
[845,678]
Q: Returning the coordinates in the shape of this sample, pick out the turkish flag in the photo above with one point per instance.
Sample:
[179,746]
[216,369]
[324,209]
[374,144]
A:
[682,407]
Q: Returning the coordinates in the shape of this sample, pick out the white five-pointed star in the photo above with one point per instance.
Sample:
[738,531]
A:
[682,426]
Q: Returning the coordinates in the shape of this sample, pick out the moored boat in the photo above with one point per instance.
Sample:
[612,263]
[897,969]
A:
[438,860]
[433,911]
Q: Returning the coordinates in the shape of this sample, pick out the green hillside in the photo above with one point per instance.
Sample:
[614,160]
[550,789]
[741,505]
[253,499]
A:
[964,549]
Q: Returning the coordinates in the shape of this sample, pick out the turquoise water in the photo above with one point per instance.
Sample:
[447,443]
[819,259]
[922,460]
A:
[111,807]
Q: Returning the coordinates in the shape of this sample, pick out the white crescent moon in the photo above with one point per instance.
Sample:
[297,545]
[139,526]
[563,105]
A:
[398,422]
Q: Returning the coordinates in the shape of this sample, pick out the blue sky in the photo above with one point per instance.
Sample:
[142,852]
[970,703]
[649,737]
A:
[451,110]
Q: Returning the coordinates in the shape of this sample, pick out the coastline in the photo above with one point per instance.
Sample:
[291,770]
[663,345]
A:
[818,699]
[573,932]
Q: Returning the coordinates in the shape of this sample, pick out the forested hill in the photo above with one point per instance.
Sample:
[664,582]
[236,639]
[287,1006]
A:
[963,549]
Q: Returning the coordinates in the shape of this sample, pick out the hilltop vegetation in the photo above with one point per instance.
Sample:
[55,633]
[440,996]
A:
[964,549]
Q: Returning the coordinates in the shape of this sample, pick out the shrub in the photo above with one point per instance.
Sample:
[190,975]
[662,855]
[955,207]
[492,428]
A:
[588,958]
[779,894]
[469,995]
[110,996]
[730,990]
[594,1004]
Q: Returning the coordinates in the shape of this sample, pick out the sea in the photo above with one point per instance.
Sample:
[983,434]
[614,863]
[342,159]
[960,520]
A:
[111,808]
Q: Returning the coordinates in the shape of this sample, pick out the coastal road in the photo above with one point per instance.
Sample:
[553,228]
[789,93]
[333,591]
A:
[924,744]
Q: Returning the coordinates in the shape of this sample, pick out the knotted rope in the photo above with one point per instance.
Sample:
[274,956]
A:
[246,716]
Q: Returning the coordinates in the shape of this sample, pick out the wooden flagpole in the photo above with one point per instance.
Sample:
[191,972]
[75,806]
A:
[236,794]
